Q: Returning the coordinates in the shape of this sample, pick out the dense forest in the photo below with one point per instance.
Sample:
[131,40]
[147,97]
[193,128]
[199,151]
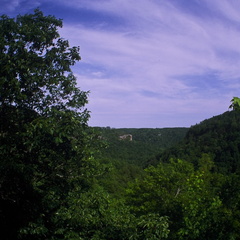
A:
[192,181]
[130,155]
[219,137]
[62,179]
[138,145]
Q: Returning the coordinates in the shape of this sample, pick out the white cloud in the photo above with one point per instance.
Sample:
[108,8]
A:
[142,68]
[16,7]
[227,8]
[157,47]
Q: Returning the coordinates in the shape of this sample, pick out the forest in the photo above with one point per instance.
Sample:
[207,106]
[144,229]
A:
[63,179]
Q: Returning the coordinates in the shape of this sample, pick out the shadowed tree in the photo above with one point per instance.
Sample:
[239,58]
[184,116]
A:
[45,150]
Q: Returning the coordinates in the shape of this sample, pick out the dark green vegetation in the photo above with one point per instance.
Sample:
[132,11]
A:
[128,156]
[144,145]
[196,182]
[61,179]
[219,137]
[193,183]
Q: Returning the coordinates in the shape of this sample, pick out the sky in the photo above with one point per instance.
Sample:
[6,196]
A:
[150,63]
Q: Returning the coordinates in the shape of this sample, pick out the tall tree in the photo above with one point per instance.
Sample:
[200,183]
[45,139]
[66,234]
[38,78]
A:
[45,150]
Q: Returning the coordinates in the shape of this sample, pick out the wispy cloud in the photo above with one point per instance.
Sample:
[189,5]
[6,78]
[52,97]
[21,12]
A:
[10,7]
[156,63]
[154,55]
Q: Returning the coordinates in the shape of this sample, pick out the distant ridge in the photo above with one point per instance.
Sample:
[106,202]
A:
[219,137]
[141,144]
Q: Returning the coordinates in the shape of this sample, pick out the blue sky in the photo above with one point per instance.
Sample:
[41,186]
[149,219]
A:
[150,63]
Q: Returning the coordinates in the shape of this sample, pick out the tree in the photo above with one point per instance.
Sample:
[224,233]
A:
[160,192]
[200,209]
[45,148]
[235,105]
[189,198]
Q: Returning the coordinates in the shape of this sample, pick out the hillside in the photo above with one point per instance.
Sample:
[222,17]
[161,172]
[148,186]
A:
[128,150]
[138,145]
[200,200]
[218,136]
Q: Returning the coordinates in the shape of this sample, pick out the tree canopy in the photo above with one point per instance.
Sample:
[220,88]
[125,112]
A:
[235,103]
[45,141]
[36,65]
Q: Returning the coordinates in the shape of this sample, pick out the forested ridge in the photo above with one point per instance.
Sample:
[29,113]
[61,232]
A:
[62,179]
[144,143]
[194,183]
[128,157]
[218,136]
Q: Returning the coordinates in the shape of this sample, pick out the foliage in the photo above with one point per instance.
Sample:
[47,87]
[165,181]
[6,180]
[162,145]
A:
[197,195]
[218,136]
[45,141]
[152,227]
[190,198]
[235,105]
[126,158]
[145,144]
